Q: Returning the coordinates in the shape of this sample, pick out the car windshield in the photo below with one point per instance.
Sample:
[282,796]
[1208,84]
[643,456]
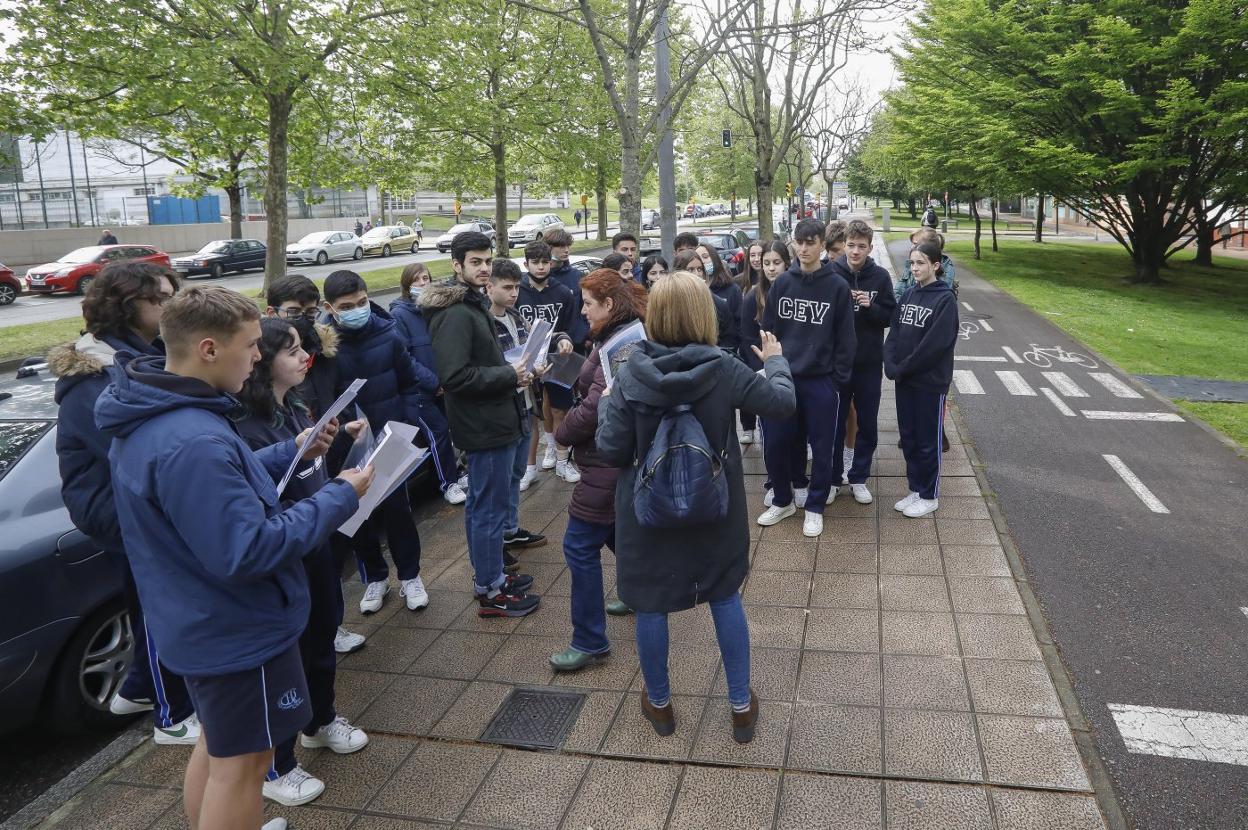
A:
[462,228]
[15,438]
[525,221]
[377,232]
[221,246]
[82,255]
[314,238]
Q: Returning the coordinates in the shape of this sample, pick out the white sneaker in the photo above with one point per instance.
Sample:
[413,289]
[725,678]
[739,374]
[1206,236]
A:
[185,733]
[374,595]
[769,497]
[921,507]
[567,471]
[847,461]
[294,788]
[810,453]
[861,494]
[346,642]
[774,515]
[125,706]
[278,823]
[338,735]
[812,525]
[454,494]
[800,494]
[549,459]
[746,437]
[463,482]
[906,502]
[530,473]
[413,590]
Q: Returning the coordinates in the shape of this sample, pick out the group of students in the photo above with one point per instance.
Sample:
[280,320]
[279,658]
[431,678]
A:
[182,409]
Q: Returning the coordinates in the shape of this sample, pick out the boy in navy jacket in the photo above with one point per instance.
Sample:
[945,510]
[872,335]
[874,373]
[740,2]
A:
[810,311]
[871,290]
[216,559]
[562,273]
[918,355]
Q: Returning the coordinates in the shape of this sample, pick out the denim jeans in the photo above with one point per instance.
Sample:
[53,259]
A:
[486,511]
[734,647]
[519,464]
[582,549]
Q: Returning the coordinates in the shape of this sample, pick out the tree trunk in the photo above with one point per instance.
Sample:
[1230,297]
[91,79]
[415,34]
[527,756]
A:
[631,176]
[499,151]
[766,222]
[913,204]
[275,185]
[993,204]
[601,194]
[1205,235]
[1040,218]
[974,208]
[234,193]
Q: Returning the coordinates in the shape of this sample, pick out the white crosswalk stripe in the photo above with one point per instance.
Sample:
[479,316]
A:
[1106,415]
[985,325]
[1013,355]
[1062,383]
[1015,385]
[1058,402]
[967,383]
[979,358]
[1114,385]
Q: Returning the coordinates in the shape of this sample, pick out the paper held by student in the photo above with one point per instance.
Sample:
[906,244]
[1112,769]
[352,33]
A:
[564,369]
[344,400]
[613,352]
[536,346]
[394,459]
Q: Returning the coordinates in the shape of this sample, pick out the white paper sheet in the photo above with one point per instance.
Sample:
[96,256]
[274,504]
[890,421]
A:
[393,461]
[343,401]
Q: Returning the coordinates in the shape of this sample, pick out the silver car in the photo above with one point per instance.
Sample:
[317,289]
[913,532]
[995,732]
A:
[532,227]
[322,246]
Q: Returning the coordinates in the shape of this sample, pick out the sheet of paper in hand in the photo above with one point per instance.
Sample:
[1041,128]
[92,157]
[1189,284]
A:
[393,460]
[616,350]
[337,406]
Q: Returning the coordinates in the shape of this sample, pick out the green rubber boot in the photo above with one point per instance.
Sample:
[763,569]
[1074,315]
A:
[571,659]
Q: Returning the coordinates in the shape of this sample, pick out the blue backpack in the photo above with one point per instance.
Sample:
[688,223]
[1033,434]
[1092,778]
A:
[681,482]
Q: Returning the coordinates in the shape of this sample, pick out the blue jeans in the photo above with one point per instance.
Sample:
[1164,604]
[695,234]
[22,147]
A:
[582,549]
[733,635]
[486,511]
[519,464]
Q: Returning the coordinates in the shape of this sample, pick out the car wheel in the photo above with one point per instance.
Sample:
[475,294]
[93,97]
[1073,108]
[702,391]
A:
[322,258]
[216,270]
[385,251]
[359,254]
[7,294]
[83,285]
[91,670]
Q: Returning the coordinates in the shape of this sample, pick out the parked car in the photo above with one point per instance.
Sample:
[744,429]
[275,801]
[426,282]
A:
[222,255]
[531,227]
[730,249]
[584,264]
[445,240]
[322,246]
[650,219]
[10,285]
[75,271]
[65,638]
[389,239]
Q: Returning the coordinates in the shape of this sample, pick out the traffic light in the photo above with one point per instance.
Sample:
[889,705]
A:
[727,138]
[788,190]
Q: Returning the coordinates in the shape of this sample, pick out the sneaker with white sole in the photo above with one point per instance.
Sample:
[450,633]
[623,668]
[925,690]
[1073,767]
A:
[549,459]
[463,482]
[347,642]
[185,733]
[125,706]
[774,515]
[278,823]
[567,471]
[921,507]
[294,788]
[530,475]
[769,497]
[847,461]
[337,735]
[746,437]
[454,494]
[374,596]
[861,494]
[812,525]
[800,494]
[413,590]
[906,502]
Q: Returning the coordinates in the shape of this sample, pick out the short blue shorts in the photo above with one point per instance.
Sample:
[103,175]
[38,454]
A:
[252,710]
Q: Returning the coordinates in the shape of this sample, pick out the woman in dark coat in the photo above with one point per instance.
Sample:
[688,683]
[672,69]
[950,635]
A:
[611,303]
[661,571]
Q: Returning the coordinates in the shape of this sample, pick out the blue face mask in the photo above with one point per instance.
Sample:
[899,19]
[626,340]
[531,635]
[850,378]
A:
[356,318]
[709,269]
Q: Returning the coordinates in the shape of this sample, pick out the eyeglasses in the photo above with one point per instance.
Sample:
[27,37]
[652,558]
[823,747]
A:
[296,313]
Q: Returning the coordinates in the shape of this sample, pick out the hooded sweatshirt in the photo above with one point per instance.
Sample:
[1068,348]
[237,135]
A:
[552,303]
[813,318]
[215,558]
[570,278]
[869,322]
[377,352]
[921,339]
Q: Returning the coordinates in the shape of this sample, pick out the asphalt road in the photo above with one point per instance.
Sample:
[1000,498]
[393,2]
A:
[1144,606]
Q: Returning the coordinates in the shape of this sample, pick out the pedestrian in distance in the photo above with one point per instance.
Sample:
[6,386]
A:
[121,314]
[359,228]
[930,219]
[871,289]
[486,413]
[271,412]
[107,238]
[368,226]
[577,216]
[809,310]
[418,225]
[370,347]
[611,304]
[216,555]
[918,355]
[679,371]
[653,268]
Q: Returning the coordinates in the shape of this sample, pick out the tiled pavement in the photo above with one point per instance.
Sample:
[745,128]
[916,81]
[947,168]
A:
[901,688]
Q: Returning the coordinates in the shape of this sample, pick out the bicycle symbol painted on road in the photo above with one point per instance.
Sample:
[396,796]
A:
[1046,357]
[966,329]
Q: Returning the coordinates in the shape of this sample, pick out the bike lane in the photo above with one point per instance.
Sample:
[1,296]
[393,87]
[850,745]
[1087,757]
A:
[1130,521]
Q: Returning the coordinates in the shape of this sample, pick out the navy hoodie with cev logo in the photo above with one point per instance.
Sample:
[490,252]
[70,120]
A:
[922,336]
[216,559]
[813,318]
[869,322]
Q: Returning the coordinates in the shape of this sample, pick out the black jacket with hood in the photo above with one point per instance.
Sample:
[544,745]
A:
[813,318]
[869,322]
[924,332]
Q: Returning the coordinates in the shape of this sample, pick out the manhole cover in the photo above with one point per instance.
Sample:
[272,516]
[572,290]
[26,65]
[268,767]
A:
[534,718]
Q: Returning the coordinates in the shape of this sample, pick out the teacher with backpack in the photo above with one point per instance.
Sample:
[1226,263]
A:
[682,536]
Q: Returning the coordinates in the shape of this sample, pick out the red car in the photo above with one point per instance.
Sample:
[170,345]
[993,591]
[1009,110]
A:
[10,285]
[74,271]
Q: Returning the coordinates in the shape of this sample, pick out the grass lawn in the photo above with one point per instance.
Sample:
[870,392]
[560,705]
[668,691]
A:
[1194,323]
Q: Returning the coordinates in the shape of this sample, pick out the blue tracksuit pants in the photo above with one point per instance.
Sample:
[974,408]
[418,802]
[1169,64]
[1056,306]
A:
[920,417]
[818,413]
[863,392]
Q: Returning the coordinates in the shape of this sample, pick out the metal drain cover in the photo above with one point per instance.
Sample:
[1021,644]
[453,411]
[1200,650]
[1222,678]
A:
[534,718]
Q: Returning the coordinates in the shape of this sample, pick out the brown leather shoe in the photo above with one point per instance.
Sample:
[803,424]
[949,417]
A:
[663,720]
[743,722]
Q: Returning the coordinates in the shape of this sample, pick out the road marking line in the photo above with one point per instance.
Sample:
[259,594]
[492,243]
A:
[980,358]
[1120,389]
[1133,481]
[967,306]
[985,325]
[1012,354]
[1062,382]
[1245,610]
[1183,733]
[1058,402]
[967,383]
[1015,385]
[1110,415]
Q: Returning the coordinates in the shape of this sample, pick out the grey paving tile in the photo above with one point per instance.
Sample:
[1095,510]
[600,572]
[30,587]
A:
[774,626]
[452,772]
[472,711]
[715,742]
[810,801]
[1030,810]
[692,669]
[918,632]
[527,790]
[931,745]
[713,798]
[628,795]
[843,629]
[781,556]
[1012,687]
[846,531]
[839,677]
[458,655]
[975,560]
[1031,752]
[830,738]
[632,735]
[913,593]
[847,558]
[777,588]
[391,649]
[910,559]
[773,674]
[352,780]
[904,531]
[384,823]
[597,713]
[524,660]
[966,532]
[962,507]
[457,577]
[845,590]
[444,607]
[155,766]
[411,705]
[925,683]
[985,595]
[105,806]
[1007,637]
[696,626]
[914,805]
